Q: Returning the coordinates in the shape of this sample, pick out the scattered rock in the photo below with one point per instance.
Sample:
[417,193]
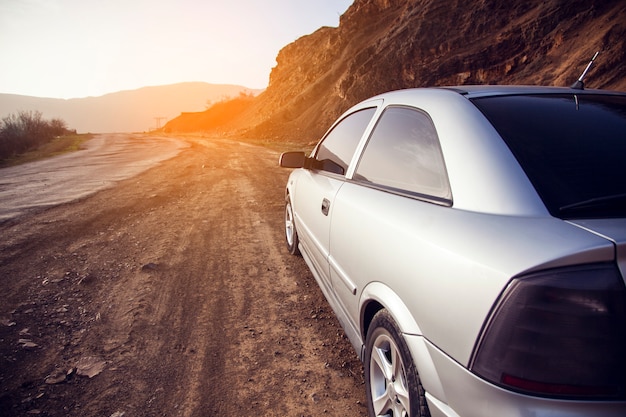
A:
[89,366]
[150,267]
[27,343]
[7,322]
[56,377]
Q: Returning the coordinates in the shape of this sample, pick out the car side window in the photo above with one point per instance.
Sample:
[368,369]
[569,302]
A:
[403,154]
[335,152]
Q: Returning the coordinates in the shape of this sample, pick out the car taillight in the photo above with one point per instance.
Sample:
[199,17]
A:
[559,333]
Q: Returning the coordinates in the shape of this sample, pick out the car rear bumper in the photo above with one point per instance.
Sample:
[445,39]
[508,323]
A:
[453,391]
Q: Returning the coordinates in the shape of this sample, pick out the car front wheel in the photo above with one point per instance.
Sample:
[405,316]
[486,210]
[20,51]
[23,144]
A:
[291,234]
[392,383]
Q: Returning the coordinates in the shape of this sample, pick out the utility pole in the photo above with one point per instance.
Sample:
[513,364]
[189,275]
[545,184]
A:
[158,121]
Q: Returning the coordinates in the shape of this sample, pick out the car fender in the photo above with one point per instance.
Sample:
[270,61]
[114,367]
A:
[290,188]
[379,292]
[386,297]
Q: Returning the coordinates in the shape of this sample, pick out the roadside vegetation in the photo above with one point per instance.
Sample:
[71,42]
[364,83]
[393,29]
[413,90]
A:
[27,136]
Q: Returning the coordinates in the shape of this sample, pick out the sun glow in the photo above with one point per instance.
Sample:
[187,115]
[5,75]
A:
[79,48]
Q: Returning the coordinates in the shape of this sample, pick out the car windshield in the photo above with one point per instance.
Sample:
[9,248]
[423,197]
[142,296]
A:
[571,146]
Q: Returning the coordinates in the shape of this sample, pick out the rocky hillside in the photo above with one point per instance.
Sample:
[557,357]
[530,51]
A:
[383,45]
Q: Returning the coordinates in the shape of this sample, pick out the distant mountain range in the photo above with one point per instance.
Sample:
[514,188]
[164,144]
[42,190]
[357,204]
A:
[138,110]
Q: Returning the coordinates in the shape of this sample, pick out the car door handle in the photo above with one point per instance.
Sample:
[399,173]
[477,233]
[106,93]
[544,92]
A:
[325,206]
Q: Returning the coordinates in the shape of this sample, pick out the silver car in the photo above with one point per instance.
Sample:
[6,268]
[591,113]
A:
[472,243]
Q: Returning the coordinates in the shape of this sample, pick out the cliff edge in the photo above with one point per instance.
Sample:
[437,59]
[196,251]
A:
[383,45]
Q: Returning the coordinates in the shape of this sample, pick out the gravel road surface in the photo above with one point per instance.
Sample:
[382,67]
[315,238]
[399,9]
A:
[167,293]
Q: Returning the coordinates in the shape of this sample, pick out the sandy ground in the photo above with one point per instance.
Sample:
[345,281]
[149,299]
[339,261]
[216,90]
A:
[169,293]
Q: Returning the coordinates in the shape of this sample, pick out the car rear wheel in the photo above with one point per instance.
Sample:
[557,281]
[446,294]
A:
[291,234]
[392,383]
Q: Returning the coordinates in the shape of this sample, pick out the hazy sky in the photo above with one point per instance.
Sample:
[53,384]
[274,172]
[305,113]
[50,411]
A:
[80,48]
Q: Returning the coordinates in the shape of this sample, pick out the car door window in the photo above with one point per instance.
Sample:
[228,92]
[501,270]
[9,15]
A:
[336,150]
[403,154]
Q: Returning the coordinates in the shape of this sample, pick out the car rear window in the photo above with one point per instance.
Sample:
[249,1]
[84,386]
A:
[571,146]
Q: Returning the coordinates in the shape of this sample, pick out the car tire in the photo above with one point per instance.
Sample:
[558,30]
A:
[391,380]
[291,234]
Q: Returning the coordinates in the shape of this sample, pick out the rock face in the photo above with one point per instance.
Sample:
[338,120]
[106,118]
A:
[383,45]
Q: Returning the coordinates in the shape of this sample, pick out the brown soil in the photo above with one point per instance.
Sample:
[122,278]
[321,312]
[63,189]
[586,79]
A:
[170,294]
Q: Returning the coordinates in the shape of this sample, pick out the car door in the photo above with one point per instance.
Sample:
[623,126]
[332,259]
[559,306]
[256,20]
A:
[376,210]
[318,185]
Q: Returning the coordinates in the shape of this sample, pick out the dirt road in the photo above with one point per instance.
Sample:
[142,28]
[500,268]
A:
[104,160]
[170,294]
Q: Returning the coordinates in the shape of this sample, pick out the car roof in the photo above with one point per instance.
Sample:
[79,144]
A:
[473,142]
[476,91]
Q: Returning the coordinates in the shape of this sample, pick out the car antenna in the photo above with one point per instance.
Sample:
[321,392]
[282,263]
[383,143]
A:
[580,84]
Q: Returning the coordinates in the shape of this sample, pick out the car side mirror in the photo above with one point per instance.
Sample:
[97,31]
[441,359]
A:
[292,160]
